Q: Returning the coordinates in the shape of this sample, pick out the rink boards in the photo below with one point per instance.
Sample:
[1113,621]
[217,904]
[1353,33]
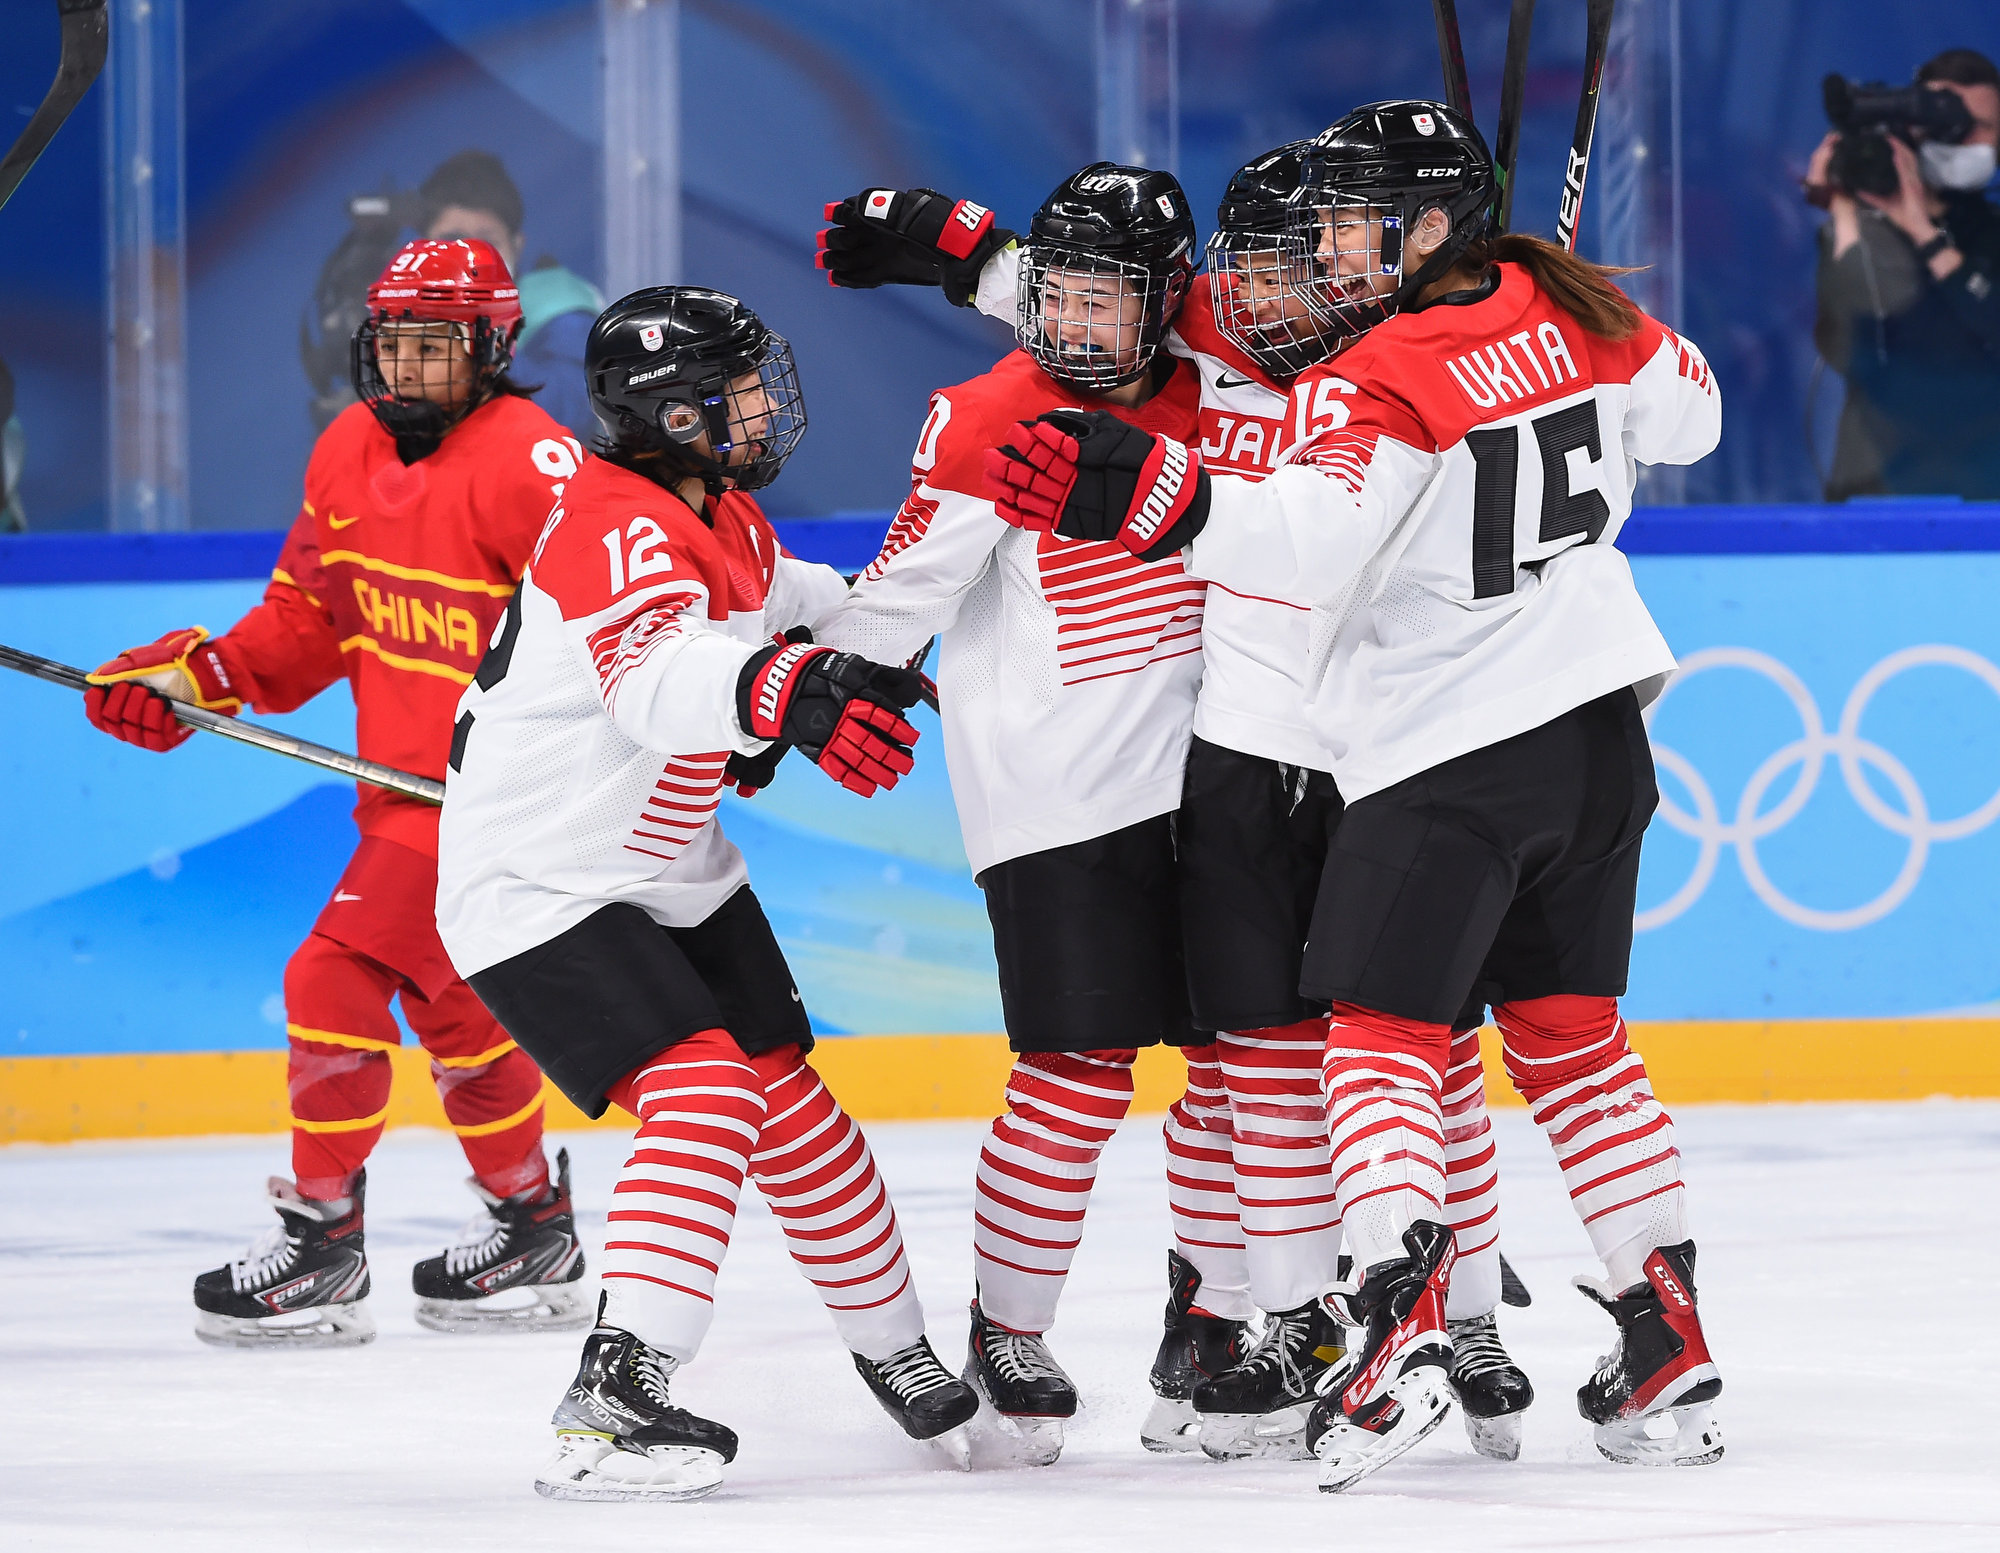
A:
[1816,904]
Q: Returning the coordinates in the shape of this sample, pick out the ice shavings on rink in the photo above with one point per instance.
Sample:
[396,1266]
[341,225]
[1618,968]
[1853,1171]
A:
[1847,1253]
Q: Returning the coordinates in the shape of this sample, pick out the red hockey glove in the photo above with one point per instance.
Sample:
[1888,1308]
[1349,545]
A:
[909,237]
[1085,474]
[128,697]
[842,711]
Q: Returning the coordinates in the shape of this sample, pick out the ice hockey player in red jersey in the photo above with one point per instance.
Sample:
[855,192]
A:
[1067,682]
[587,890]
[421,505]
[1251,837]
[1479,687]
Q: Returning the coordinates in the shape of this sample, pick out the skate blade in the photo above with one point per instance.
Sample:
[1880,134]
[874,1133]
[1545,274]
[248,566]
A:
[591,1467]
[346,1325]
[954,1446]
[1674,1437]
[1347,1454]
[1498,1439]
[542,1307]
[1171,1427]
[1279,1435]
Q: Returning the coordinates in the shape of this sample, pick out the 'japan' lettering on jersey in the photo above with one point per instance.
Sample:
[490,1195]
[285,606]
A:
[589,751]
[1068,669]
[1253,693]
[1456,533]
[392,577]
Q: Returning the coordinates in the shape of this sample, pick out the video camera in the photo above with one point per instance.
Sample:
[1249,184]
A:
[376,223]
[1867,113]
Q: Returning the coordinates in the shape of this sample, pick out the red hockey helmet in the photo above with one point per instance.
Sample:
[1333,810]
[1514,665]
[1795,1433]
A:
[463,285]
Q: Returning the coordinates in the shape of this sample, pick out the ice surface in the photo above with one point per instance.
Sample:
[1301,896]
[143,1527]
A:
[1848,1260]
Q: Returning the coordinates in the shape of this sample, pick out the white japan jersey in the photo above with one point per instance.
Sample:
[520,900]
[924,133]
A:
[1254,649]
[1068,670]
[1456,533]
[588,758]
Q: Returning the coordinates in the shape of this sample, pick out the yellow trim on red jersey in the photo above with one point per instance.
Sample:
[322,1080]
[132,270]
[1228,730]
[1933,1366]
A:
[335,1038]
[487,1129]
[478,1060]
[396,660]
[279,574]
[498,590]
[359,1124]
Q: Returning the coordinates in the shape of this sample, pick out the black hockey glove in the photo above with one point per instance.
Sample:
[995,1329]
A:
[1085,474]
[843,712]
[749,775]
[909,237]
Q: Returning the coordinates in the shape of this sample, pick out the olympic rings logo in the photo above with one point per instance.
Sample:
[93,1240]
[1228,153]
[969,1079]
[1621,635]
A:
[1808,753]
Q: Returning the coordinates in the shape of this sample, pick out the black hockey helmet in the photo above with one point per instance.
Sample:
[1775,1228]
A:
[1104,269]
[1374,175]
[660,365]
[1259,265]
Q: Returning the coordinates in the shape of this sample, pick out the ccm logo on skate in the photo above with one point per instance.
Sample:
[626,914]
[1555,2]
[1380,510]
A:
[1670,1287]
[489,1281]
[1163,499]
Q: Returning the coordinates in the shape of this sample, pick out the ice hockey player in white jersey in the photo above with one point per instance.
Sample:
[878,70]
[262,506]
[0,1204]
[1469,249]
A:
[587,893]
[1251,836]
[1478,685]
[1067,681]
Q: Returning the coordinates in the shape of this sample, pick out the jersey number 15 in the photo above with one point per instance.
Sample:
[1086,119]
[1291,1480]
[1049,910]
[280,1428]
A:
[1496,491]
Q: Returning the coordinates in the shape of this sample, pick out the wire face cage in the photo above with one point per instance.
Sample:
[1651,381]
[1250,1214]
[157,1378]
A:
[1258,282]
[1089,320]
[419,375]
[754,418]
[1356,249]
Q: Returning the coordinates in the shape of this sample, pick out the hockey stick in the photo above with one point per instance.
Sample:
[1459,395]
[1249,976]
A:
[404,782]
[1513,89]
[85,36]
[1597,41]
[1451,56]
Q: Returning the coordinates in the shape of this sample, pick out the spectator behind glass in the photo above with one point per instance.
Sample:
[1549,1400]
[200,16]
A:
[471,195]
[1909,307]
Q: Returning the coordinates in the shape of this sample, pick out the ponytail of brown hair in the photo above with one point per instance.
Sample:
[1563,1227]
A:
[1578,287]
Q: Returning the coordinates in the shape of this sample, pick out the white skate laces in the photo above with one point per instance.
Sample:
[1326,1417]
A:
[479,1239]
[1284,1339]
[912,1371]
[1476,1348]
[1022,1356]
[650,1370]
[266,1258]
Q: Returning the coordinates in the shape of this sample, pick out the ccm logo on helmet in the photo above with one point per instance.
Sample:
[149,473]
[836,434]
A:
[1436,172]
[1164,498]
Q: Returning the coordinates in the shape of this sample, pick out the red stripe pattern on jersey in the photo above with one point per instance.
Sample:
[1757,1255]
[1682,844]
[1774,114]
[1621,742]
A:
[681,803]
[913,518]
[1383,1076]
[619,647]
[1283,1166]
[1344,454]
[1472,1181]
[1201,1188]
[1114,614]
[815,1170]
[1035,1174]
[700,1109]
[1569,1058]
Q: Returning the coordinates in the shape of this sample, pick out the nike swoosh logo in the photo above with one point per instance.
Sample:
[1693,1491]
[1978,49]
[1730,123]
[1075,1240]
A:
[1222,380]
[342,895]
[333,522]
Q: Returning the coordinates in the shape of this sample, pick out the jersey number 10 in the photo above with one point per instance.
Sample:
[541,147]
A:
[1496,457]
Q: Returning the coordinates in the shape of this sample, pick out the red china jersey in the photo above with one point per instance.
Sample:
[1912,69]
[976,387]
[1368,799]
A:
[1068,670]
[393,577]
[589,754]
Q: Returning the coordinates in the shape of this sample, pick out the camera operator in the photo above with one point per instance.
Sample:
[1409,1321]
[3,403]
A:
[1909,281]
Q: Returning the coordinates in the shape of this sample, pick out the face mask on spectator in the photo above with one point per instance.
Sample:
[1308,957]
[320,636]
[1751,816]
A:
[1956,167]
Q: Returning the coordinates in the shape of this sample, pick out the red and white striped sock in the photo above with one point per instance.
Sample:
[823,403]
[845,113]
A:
[1284,1181]
[1201,1188]
[700,1106]
[1383,1075]
[1035,1174]
[1471,1182]
[1569,1058]
[815,1170]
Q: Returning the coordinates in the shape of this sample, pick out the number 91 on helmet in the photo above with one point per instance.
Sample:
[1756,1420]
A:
[695,382]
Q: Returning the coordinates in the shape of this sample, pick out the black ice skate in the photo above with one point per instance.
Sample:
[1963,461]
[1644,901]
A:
[300,1286]
[1259,1408]
[1400,1389]
[1649,1398]
[1195,1347]
[1492,1390]
[618,1436]
[1020,1379]
[515,1268]
[925,1398]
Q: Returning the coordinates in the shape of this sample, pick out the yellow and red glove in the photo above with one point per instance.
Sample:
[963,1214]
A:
[132,696]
